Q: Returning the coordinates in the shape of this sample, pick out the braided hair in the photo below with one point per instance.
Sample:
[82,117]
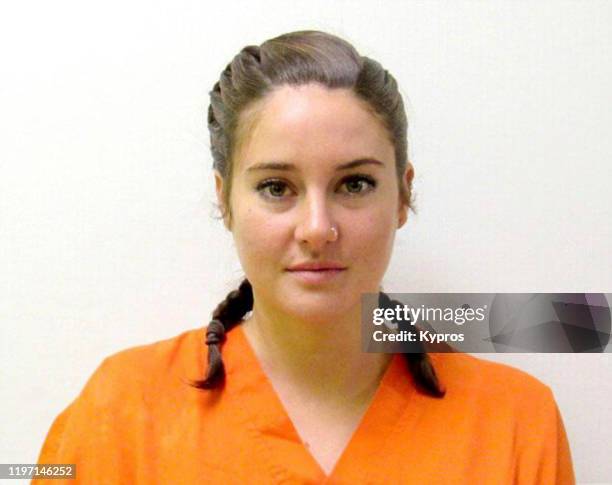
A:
[239,302]
[228,313]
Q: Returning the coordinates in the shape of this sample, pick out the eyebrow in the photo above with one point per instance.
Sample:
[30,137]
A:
[290,166]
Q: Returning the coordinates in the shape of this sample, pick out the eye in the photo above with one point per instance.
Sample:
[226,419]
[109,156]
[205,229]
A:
[272,188]
[359,184]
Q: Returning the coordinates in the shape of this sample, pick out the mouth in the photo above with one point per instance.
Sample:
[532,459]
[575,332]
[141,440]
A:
[317,275]
[317,266]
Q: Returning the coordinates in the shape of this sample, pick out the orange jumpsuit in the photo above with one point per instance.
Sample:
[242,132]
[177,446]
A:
[138,421]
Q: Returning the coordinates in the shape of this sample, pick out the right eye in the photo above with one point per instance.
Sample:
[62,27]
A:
[272,188]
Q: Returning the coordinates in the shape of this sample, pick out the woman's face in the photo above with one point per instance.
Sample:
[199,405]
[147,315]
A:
[314,158]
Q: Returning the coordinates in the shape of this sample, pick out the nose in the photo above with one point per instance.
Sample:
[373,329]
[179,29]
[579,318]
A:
[314,222]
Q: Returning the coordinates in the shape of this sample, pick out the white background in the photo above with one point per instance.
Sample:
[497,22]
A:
[106,190]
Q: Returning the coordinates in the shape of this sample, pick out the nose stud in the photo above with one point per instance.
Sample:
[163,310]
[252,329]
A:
[333,234]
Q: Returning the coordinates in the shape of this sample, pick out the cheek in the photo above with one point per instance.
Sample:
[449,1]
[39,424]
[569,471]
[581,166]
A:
[372,236]
[258,235]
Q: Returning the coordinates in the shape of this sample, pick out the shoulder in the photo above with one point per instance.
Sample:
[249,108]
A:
[147,369]
[469,377]
[122,400]
[508,412]
[497,398]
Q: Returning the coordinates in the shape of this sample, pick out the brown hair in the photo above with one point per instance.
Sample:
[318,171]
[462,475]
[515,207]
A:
[296,58]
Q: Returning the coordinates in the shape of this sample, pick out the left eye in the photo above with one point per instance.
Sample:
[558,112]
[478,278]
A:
[358,184]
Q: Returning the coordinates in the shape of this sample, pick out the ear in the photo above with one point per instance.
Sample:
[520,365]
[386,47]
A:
[219,192]
[406,181]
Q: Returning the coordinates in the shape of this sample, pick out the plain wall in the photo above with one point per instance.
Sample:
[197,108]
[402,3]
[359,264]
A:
[106,192]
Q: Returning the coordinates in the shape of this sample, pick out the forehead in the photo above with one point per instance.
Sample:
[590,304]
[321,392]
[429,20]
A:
[311,123]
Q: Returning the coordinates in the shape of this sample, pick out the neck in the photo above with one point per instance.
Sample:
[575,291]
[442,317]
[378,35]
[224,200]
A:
[322,358]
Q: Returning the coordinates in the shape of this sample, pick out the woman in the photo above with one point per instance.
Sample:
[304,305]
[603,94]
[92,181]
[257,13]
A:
[312,178]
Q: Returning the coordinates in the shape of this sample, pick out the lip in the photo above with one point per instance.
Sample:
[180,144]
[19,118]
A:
[317,266]
[315,273]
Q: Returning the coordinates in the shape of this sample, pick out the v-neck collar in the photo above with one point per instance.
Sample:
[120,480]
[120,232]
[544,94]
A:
[274,434]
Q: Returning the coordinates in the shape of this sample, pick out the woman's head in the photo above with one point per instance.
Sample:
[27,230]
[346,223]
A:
[297,59]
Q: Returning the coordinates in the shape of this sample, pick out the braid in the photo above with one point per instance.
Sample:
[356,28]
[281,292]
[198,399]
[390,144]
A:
[419,362]
[227,314]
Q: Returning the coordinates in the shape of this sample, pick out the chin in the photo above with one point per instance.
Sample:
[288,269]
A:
[318,306]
